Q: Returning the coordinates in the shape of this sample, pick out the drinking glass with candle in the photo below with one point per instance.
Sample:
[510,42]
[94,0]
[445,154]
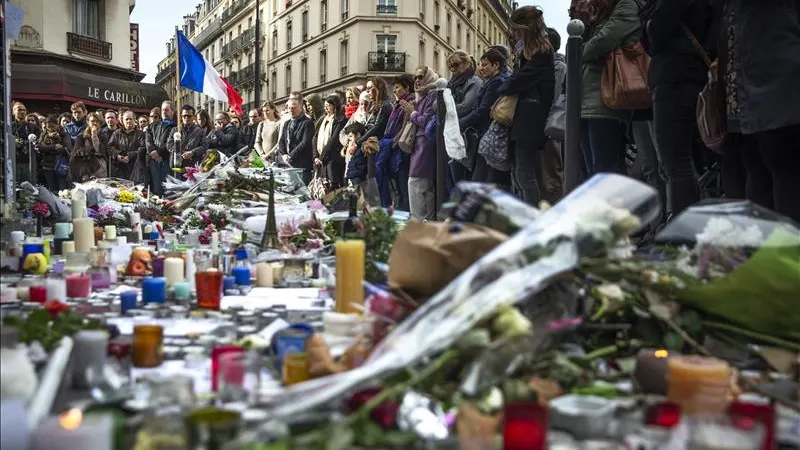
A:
[524,426]
[239,377]
[700,385]
[209,289]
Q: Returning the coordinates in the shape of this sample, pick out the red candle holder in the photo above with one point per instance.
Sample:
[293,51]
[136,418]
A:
[37,294]
[78,286]
[216,363]
[524,426]
[742,413]
[664,415]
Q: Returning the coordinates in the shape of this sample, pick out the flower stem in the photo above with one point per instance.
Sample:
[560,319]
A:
[778,342]
[386,394]
[601,353]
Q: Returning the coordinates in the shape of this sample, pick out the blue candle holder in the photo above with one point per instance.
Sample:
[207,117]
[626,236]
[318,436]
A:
[242,276]
[154,290]
[128,300]
[228,283]
[181,290]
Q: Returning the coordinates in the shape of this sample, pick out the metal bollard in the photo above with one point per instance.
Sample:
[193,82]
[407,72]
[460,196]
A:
[574,172]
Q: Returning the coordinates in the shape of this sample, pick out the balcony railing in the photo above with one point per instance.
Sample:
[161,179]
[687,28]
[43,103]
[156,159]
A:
[88,46]
[231,12]
[386,62]
[210,32]
[344,71]
[243,40]
[166,73]
[387,9]
[244,76]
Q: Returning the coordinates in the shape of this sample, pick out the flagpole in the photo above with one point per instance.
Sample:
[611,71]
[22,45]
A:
[178,105]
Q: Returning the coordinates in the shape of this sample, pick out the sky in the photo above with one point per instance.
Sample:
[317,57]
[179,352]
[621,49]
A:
[157,20]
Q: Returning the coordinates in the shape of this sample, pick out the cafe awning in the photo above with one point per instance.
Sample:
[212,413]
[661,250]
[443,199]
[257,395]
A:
[51,82]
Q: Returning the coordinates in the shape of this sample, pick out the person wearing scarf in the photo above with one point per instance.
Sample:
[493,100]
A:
[352,95]
[54,143]
[464,85]
[422,172]
[327,149]
[399,162]
[364,103]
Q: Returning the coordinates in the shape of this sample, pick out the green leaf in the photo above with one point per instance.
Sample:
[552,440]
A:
[340,438]
[402,439]
[690,321]
[673,341]
[369,434]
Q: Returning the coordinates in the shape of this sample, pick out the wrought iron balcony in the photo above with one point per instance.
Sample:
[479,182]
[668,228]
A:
[231,12]
[244,76]
[242,41]
[88,46]
[208,34]
[386,62]
[387,9]
[165,73]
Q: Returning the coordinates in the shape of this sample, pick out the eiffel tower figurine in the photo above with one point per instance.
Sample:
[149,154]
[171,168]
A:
[269,241]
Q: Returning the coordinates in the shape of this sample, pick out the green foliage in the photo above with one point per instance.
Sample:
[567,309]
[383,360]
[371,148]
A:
[42,327]
[380,231]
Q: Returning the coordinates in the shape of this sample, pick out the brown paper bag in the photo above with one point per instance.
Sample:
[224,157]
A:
[426,256]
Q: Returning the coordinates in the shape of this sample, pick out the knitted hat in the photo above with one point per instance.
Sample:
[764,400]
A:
[503,51]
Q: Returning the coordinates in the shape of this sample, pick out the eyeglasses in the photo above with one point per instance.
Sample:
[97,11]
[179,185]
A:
[187,116]
[154,117]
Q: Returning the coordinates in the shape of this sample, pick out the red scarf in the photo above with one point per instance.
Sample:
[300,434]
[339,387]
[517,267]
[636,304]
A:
[349,110]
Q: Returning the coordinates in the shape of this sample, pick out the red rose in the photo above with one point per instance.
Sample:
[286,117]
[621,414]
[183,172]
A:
[385,414]
[55,307]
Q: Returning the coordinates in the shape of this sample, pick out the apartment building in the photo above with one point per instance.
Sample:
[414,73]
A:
[71,50]
[325,45]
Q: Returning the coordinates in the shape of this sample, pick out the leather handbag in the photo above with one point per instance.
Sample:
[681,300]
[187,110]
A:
[710,113]
[408,135]
[318,186]
[504,109]
[624,80]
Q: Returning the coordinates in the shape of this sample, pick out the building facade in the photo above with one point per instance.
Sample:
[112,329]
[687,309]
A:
[79,50]
[320,46]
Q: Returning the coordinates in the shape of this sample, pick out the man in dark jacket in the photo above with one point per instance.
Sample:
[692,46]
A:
[78,124]
[192,145]
[247,134]
[158,134]
[22,129]
[127,149]
[294,146]
[225,137]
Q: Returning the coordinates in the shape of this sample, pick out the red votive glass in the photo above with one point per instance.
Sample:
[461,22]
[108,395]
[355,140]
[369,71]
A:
[78,286]
[37,294]
[664,415]
[216,357]
[524,426]
[760,413]
[209,289]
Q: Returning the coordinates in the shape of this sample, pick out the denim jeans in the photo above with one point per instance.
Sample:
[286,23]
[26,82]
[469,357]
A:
[523,174]
[400,184]
[158,174]
[675,121]
[603,145]
[649,160]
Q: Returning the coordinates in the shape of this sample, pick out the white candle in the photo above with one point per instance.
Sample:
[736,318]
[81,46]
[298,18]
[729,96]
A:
[74,431]
[173,270]
[215,242]
[111,232]
[78,204]
[91,347]
[135,219]
[264,275]
[23,293]
[147,230]
[84,234]
[190,269]
[67,247]
[56,289]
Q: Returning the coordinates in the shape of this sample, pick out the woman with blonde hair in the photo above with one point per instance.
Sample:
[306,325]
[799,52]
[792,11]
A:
[533,82]
[351,96]
[465,85]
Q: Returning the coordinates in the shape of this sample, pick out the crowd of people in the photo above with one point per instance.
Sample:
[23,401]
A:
[386,136]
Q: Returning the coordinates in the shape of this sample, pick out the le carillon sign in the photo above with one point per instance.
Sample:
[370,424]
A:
[117,96]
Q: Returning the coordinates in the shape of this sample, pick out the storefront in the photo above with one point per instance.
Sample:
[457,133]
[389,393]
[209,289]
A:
[50,89]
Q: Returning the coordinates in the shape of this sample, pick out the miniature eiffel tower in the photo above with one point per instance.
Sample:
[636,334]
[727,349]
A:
[269,240]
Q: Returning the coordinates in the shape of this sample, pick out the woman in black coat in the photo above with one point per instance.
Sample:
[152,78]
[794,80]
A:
[327,147]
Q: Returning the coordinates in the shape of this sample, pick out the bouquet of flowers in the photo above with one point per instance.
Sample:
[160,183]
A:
[41,209]
[107,214]
[303,237]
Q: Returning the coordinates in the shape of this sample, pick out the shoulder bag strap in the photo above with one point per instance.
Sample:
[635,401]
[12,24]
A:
[701,52]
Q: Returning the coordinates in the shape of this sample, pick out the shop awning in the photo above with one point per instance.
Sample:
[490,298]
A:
[51,82]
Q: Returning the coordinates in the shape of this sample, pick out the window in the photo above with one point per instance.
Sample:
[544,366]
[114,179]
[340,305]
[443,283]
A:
[289,35]
[288,79]
[469,42]
[304,73]
[274,43]
[274,84]
[274,7]
[421,53]
[323,16]
[386,43]
[304,25]
[436,15]
[239,30]
[458,34]
[87,18]
[323,66]
[387,7]
[343,56]
[249,22]
[449,26]
[422,5]
[345,10]
[436,61]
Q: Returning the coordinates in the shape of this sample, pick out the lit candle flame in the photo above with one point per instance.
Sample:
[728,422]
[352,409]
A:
[71,420]
[661,354]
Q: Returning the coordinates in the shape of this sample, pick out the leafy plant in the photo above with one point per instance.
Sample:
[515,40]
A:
[47,329]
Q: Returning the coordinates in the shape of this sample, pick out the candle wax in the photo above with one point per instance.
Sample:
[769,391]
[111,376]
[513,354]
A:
[350,256]
[264,275]
[67,247]
[84,234]
[173,270]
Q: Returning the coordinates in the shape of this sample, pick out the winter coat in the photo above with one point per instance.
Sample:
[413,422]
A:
[298,144]
[226,140]
[156,137]
[622,27]
[423,160]
[533,81]
[75,129]
[479,118]
[89,158]
[130,144]
[332,159]
[50,151]
[362,166]
[247,136]
[267,136]
[465,94]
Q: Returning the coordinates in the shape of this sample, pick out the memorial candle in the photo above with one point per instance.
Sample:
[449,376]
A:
[56,289]
[74,431]
[264,275]
[110,232]
[89,353]
[699,384]
[84,234]
[350,255]
[67,247]
[78,285]
[173,270]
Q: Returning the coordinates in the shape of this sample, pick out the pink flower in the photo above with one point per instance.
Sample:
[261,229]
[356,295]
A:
[41,209]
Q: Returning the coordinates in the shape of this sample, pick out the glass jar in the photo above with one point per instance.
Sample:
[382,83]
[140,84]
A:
[147,346]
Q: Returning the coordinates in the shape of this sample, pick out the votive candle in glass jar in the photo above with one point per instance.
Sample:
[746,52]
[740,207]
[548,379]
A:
[209,289]
[78,286]
[295,369]
[147,346]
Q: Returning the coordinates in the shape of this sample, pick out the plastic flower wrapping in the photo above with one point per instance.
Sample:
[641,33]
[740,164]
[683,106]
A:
[587,223]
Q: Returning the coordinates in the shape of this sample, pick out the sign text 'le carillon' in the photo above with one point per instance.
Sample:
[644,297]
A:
[124,98]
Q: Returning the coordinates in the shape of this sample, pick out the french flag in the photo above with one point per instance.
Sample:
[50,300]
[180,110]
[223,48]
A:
[197,74]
